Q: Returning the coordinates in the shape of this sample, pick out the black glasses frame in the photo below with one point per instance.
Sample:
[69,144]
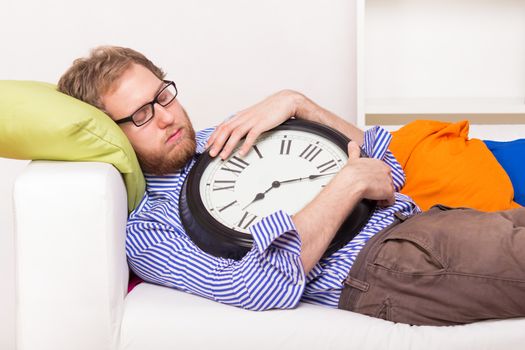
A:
[151,104]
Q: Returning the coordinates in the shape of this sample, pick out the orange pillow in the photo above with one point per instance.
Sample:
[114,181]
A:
[443,166]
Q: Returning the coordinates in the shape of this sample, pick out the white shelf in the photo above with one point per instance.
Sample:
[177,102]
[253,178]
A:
[445,105]
[422,57]
[494,132]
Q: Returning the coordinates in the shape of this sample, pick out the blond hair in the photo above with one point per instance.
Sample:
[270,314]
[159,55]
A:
[91,77]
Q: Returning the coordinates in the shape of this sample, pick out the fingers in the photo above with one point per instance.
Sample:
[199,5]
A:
[373,175]
[390,200]
[221,136]
[211,140]
[227,136]
[218,139]
[248,143]
[390,195]
[235,136]
[251,122]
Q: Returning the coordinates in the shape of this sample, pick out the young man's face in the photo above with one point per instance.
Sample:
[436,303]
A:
[167,141]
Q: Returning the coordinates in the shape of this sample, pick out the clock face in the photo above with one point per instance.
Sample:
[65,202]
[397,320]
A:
[285,169]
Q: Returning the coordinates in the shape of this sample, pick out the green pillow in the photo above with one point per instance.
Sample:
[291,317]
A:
[39,122]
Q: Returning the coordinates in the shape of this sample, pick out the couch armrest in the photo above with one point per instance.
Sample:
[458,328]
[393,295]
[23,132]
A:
[70,256]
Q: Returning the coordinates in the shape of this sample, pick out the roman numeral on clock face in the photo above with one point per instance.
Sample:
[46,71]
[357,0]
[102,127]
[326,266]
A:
[310,152]
[219,185]
[227,206]
[327,166]
[235,165]
[285,146]
[256,149]
[246,220]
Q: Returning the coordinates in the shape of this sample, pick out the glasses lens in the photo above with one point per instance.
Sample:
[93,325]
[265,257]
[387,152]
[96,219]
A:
[167,95]
[143,115]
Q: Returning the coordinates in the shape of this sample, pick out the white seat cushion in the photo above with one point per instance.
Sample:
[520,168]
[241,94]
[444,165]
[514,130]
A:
[162,318]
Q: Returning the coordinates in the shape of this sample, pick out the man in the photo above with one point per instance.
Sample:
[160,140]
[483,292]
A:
[385,271]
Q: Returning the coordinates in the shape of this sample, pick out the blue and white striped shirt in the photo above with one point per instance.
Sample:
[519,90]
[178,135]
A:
[270,275]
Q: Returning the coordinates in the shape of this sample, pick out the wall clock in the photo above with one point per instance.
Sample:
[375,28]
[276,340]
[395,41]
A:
[286,167]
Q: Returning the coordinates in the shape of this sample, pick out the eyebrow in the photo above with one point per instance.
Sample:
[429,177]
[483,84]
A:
[162,84]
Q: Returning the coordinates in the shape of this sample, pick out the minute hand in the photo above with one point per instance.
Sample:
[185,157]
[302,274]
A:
[310,177]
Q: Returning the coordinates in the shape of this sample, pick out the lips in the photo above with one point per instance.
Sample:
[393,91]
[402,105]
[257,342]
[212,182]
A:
[174,136]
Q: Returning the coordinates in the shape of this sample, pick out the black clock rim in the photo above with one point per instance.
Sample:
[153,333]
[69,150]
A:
[229,243]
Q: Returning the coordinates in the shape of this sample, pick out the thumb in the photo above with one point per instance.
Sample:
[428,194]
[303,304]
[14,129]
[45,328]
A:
[353,150]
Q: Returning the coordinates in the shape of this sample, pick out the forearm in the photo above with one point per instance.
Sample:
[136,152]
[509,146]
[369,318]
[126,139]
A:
[318,222]
[309,110]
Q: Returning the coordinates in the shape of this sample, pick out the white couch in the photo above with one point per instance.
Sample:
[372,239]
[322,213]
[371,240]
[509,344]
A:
[72,277]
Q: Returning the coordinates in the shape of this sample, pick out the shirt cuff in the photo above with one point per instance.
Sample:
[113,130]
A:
[277,230]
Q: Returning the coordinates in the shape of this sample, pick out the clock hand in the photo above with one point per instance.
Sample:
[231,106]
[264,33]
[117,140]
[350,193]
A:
[261,195]
[258,196]
[310,177]
[276,184]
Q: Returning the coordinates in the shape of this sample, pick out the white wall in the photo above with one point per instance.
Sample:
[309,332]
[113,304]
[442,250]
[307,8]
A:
[224,55]
[459,49]
[446,59]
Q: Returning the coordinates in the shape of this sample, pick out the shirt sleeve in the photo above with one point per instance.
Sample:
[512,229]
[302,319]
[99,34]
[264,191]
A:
[269,276]
[376,142]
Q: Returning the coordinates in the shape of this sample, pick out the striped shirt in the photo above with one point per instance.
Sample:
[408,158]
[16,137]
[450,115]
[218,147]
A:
[270,275]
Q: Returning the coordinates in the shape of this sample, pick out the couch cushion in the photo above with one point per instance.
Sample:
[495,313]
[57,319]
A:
[161,318]
[510,155]
[38,122]
[443,166]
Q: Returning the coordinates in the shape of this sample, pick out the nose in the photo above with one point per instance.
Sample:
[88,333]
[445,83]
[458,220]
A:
[164,116]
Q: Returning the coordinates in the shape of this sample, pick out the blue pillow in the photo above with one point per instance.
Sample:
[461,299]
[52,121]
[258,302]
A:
[511,156]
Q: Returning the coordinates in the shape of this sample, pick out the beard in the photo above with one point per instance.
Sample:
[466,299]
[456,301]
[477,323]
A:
[175,159]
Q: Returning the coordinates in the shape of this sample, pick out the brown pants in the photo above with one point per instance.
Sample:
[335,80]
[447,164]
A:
[442,267]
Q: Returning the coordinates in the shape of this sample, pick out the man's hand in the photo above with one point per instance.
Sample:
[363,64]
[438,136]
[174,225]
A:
[252,122]
[372,177]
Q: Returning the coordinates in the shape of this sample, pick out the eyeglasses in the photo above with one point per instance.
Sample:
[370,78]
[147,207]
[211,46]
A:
[145,113]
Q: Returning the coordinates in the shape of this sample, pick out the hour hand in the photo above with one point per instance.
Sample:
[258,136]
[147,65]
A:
[258,196]
[261,195]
